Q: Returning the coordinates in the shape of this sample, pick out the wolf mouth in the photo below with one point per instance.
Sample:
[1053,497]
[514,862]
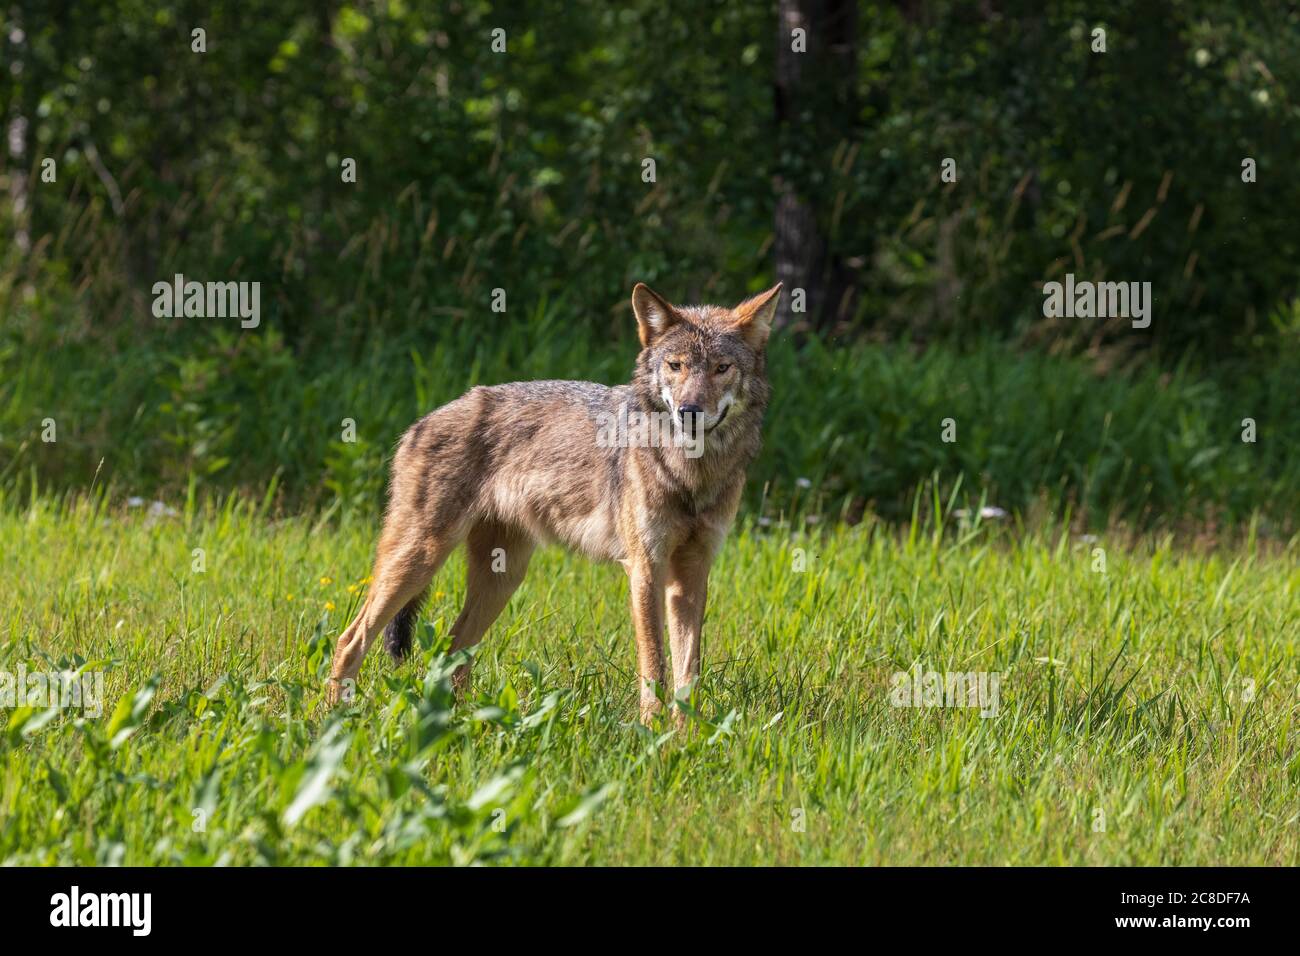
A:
[719,421]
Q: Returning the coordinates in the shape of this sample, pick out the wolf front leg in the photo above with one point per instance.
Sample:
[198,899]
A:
[646,580]
[687,591]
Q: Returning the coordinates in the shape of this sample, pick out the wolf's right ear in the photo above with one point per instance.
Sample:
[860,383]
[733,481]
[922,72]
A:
[654,316]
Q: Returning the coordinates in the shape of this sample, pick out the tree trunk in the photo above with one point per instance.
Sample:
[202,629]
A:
[18,133]
[814,99]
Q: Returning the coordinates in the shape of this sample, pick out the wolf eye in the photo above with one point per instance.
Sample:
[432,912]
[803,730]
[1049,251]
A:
[675,366]
[723,367]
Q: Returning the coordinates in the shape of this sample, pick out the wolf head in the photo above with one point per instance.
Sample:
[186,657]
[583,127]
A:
[704,366]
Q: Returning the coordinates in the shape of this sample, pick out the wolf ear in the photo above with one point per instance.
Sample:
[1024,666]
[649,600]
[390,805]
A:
[753,317]
[654,316]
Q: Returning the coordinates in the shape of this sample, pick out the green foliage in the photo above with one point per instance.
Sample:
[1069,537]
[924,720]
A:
[522,170]
[863,424]
[1100,164]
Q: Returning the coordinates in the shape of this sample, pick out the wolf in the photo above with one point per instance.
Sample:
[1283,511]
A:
[505,468]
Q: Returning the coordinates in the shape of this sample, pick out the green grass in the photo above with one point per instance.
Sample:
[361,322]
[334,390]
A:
[1157,699]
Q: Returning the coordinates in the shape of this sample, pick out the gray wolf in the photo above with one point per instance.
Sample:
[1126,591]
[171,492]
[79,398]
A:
[507,467]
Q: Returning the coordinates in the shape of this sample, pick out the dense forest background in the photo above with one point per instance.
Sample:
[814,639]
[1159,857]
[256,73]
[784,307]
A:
[524,170]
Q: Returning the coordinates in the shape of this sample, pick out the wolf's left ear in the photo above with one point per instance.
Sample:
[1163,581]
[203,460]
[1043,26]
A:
[753,317]
[654,316]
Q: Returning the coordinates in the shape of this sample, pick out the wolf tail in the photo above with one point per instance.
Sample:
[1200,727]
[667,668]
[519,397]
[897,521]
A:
[397,635]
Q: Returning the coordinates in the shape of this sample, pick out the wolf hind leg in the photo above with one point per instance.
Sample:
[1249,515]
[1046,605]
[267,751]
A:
[403,570]
[496,560]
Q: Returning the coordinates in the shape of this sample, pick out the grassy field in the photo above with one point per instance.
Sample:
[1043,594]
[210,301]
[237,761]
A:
[1146,712]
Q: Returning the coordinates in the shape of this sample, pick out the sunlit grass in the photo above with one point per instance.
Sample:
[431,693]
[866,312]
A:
[1146,715]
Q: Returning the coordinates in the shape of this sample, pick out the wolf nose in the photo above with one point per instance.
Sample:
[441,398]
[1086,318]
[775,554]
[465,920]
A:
[688,412]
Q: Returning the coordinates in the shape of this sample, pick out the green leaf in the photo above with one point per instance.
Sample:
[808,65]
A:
[587,805]
[129,713]
[316,785]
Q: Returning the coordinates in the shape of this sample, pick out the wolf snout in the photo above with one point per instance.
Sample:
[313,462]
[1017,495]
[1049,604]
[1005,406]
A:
[689,414]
